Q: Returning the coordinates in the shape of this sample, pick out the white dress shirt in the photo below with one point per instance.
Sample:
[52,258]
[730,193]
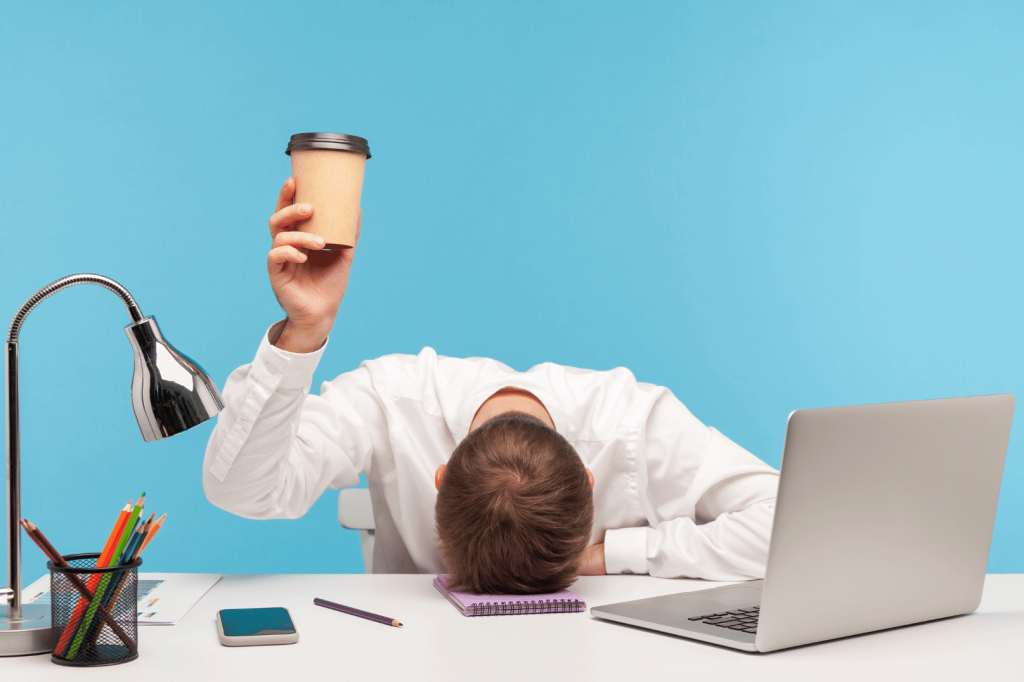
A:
[672,497]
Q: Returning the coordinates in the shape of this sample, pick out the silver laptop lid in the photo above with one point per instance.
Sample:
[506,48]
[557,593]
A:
[884,516]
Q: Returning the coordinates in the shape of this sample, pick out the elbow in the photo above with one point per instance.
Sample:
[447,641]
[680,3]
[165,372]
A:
[231,500]
[216,492]
[239,496]
[225,493]
[225,487]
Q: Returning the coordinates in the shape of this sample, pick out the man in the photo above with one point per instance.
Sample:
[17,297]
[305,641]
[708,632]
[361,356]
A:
[511,481]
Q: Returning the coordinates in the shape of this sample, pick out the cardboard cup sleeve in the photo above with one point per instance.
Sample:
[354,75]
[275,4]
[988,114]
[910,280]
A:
[328,169]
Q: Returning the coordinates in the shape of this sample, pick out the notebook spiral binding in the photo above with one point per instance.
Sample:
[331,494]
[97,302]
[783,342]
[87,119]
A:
[513,608]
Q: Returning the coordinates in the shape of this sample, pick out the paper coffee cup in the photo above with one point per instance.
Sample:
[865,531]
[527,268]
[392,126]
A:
[328,170]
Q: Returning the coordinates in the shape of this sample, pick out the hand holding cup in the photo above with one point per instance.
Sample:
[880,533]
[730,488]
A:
[309,282]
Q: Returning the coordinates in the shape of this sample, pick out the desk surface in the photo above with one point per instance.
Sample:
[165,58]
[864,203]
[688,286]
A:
[439,644]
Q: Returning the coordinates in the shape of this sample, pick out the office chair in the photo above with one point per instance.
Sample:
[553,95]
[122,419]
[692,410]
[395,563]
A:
[355,511]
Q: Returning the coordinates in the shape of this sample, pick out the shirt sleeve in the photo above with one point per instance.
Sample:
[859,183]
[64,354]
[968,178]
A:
[275,448]
[709,503]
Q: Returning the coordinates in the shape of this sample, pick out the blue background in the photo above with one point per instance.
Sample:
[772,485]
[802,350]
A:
[763,206]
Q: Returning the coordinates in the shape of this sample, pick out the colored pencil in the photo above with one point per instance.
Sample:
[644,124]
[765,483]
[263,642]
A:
[57,559]
[92,628]
[105,579]
[115,534]
[147,529]
[356,612]
[133,521]
[80,607]
[130,554]
[156,528]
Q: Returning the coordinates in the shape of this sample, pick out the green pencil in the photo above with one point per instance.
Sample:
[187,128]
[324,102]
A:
[129,528]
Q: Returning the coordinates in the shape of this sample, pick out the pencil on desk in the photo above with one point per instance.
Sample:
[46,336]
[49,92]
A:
[58,560]
[356,612]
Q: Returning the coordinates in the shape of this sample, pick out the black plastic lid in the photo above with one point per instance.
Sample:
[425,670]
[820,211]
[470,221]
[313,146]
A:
[335,141]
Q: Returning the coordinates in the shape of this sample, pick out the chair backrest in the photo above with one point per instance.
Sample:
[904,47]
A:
[355,511]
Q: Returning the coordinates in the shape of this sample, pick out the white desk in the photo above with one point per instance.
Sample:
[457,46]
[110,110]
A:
[439,644]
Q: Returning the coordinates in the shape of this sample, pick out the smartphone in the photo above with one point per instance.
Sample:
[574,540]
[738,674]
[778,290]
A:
[256,627]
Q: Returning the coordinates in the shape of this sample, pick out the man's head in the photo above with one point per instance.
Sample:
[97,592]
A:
[514,508]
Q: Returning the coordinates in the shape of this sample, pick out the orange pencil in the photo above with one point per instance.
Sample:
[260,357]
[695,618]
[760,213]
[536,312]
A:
[115,535]
[94,581]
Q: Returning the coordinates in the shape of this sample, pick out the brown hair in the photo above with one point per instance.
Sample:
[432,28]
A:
[515,509]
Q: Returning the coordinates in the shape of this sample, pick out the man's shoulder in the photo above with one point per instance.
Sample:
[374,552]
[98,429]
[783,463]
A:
[427,359]
[597,402]
[620,374]
[428,368]
[602,401]
[426,355]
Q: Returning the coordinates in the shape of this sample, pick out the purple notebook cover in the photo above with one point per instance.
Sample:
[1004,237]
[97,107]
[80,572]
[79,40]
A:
[470,604]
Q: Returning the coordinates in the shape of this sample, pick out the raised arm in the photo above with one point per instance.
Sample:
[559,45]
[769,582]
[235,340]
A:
[276,448]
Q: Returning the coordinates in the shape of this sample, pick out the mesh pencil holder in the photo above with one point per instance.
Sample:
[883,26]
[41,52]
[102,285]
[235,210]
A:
[93,612]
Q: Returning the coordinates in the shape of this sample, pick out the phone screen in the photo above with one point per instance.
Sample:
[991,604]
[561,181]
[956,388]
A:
[249,622]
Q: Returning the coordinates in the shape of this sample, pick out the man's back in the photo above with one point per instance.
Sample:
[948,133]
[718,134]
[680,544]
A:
[659,472]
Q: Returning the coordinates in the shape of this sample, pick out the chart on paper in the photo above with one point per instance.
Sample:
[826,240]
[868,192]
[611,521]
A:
[164,598]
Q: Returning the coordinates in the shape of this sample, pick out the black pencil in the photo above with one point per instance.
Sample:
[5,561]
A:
[356,612]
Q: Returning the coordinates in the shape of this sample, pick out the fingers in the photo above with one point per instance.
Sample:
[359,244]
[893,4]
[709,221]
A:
[285,254]
[288,247]
[288,216]
[302,240]
[287,192]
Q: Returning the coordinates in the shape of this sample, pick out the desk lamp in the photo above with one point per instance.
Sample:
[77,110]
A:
[170,394]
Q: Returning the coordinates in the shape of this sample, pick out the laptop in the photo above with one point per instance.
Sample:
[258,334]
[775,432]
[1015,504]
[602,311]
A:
[884,518]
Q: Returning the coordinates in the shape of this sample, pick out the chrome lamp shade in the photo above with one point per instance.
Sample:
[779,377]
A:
[170,394]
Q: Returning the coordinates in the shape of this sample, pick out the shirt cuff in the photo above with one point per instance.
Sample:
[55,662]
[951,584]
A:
[294,370]
[625,550]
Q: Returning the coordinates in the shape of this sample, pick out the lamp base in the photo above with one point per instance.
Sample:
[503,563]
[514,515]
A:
[29,634]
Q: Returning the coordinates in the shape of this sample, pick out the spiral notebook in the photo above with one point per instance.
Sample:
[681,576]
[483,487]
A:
[470,604]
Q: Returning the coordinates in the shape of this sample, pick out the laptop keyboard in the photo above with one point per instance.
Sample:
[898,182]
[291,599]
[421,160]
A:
[744,620]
